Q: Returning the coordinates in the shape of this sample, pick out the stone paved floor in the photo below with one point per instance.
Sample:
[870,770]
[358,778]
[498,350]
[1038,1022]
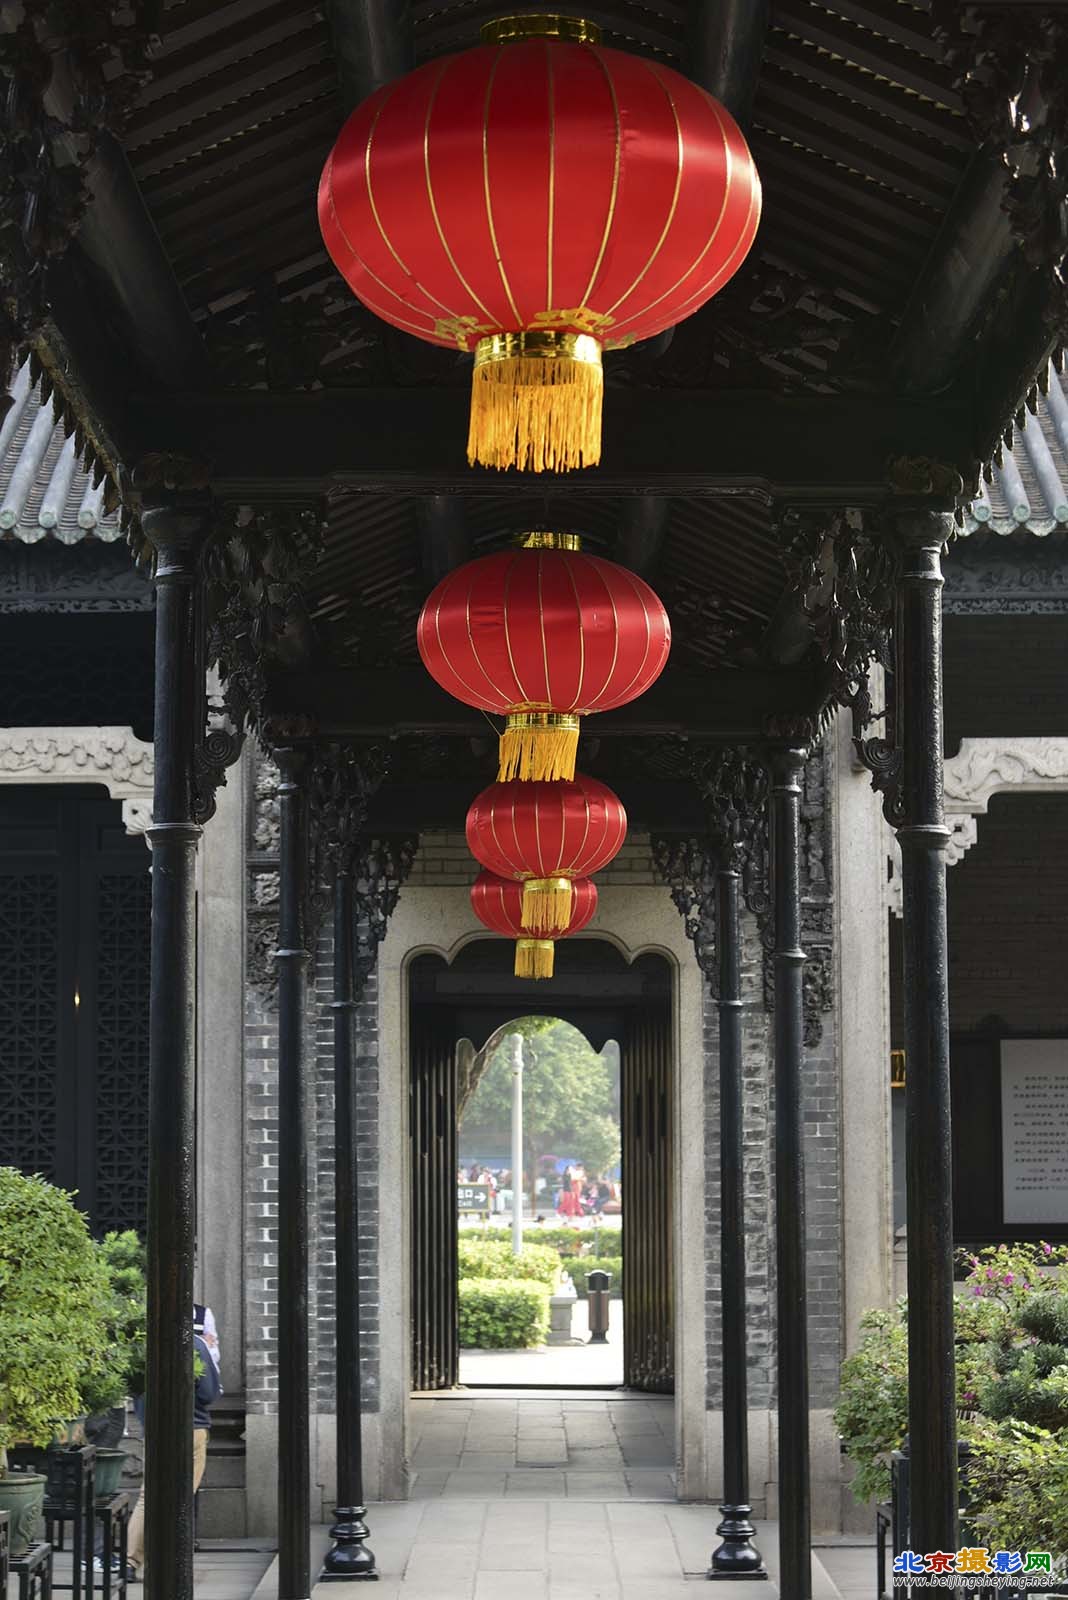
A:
[565,1446]
[514,1549]
[232,1571]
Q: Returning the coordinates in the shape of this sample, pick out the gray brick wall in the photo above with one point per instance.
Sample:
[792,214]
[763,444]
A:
[366,1068]
[759,1204]
[261,1084]
[261,1204]
[444,861]
[822,1137]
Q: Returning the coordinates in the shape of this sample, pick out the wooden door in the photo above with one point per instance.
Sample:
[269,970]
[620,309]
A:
[648,1171]
[432,1123]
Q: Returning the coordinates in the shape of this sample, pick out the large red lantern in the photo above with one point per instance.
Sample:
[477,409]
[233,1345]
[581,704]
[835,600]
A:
[544,835]
[498,905]
[542,635]
[535,200]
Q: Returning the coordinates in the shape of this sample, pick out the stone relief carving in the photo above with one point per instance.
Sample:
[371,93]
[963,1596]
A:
[982,768]
[113,757]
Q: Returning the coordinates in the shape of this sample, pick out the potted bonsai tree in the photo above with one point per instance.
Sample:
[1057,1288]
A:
[104,1395]
[53,1329]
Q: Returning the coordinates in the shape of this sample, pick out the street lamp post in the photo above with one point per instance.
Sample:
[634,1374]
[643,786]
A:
[515,1041]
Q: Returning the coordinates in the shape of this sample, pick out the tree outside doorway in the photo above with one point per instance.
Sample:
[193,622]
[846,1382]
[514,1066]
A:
[536,1304]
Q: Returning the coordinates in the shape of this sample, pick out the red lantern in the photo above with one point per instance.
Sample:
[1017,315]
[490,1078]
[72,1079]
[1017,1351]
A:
[544,835]
[541,636]
[535,200]
[498,904]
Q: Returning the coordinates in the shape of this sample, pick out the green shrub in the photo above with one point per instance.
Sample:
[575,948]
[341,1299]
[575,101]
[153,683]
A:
[54,1303]
[1045,1317]
[1018,1486]
[492,1258]
[567,1241]
[1030,1391]
[612,1264]
[123,1256]
[872,1410]
[502,1313]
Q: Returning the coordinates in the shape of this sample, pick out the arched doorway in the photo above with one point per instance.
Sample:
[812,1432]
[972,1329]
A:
[598,992]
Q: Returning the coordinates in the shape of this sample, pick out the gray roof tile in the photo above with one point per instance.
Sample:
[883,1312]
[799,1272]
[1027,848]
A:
[44,493]
[1030,488]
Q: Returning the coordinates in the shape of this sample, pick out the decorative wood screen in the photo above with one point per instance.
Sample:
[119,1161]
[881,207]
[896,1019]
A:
[75,895]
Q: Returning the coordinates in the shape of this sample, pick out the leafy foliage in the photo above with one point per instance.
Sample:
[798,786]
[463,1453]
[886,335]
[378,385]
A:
[873,1407]
[502,1313]
[569,1097]
[567,1242]
[54,1306]
[1011,1327]
[493,1258]
[1017,1478]
[123,1256]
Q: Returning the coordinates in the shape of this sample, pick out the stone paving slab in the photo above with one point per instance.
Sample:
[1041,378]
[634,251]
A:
[564,1550]
[626,1444]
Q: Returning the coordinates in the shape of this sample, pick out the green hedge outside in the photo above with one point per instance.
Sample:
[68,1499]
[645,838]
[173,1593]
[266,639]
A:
[493,1258]
[567,1241]
[612,1264]
[502,1313]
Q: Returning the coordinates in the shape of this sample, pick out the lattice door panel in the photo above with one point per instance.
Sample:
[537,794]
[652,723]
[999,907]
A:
[74,980]
[123,908]
[29,1020]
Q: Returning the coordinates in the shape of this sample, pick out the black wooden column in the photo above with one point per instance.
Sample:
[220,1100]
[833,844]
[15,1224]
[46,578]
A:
[923,835]
[786,765]
[350,1557]
[177,531]
[294,1467]
[737,1556]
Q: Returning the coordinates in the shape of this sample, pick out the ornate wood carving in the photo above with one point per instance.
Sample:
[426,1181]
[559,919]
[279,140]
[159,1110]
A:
[733,791]
[342,781]
[1008,68]
[254,568]
[66,581]
[380,870]
[1006,578]
[102,52]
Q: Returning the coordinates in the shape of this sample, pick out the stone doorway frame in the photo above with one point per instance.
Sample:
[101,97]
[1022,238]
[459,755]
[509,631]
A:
[637,921]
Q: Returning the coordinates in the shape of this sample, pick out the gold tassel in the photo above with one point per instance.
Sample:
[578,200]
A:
[546,905]
[539,746]
[534,958]
[536,402]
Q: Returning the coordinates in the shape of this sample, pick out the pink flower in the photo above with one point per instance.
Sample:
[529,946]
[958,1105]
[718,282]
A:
[978,1289]
[1009,1278]
[1048,1248]
[990,1272]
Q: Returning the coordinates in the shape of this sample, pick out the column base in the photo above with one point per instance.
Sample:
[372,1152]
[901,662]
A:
[350,1560]
[736,1557]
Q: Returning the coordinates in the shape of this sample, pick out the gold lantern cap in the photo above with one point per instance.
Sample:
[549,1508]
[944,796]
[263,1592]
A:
[548,539]
[506,30]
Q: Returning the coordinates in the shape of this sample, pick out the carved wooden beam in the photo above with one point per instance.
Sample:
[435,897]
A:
[729,704]
[829,449]
[372,45]
[726,47]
